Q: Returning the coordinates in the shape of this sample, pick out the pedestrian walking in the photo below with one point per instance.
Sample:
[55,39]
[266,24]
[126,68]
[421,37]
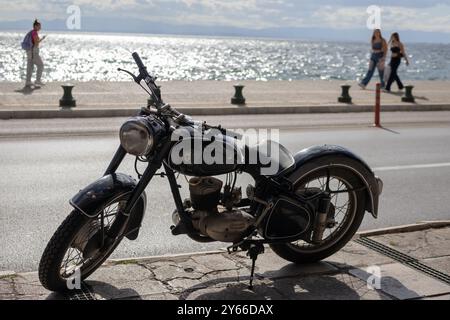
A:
[398,52]
[377,59]
[31,44]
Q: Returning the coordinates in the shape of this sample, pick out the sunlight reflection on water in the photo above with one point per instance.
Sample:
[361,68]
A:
[86,57]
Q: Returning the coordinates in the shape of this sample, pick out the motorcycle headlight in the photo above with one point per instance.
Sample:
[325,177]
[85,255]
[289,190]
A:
[136,136]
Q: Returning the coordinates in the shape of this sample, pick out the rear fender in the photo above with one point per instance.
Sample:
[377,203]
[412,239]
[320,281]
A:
[373,184]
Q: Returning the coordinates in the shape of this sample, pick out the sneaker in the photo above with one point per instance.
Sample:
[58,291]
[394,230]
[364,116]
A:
[362,86]
[386,90]
[39,83]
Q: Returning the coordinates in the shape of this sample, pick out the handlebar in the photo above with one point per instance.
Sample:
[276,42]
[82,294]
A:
[149,80]
[174,115]
[139,63]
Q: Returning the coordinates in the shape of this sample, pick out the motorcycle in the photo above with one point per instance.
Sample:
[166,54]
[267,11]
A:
[306,209]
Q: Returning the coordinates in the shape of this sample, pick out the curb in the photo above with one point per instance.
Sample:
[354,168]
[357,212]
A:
[382,231]
[216,111]
[405,228]
[113,262]
[376,232]
[7,274]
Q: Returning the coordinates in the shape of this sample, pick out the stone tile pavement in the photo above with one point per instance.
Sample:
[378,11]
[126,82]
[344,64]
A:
[218,275]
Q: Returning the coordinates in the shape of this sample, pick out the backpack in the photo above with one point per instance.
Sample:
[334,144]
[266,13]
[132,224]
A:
[27,43]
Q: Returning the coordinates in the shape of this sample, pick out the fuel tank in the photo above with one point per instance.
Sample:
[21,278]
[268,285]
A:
[209,154]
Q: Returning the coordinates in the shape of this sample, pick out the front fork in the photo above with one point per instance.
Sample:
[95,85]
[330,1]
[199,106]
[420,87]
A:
[120,223]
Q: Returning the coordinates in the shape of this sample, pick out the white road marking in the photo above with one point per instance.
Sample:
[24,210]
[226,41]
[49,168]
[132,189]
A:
[413,166]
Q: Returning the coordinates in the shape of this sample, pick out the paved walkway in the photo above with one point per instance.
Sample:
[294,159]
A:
[275,96]
[399,255]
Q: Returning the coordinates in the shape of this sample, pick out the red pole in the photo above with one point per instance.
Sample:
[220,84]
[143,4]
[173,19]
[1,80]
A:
[378,106]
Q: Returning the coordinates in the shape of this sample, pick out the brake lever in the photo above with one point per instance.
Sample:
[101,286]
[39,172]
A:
[136,79]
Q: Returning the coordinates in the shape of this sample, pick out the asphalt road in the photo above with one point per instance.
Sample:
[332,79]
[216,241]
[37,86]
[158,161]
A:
[44,163]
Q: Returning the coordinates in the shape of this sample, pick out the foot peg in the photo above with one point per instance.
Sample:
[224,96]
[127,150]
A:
[182,228]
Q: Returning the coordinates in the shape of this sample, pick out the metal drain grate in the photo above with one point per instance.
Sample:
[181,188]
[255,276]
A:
[403,259]
[83,294]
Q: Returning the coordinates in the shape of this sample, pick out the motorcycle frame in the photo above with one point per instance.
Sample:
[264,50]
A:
[372,184]
[119,225]
[277,186]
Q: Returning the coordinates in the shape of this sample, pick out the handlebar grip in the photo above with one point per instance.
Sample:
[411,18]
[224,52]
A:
[138,61]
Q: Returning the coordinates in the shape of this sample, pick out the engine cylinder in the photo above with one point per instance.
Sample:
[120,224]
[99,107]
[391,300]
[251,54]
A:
[205,192]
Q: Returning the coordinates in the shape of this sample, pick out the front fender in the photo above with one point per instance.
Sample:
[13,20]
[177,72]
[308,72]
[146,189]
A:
[373,184]
[95,196]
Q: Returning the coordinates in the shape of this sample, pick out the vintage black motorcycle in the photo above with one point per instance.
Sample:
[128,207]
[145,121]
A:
[308,208]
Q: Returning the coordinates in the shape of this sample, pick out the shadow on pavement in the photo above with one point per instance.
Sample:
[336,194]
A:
[290,282]
[402,93]
[396,286]
[422,98]
[27,90]
[389,130]
[338,286]
[96,290]
[307,288]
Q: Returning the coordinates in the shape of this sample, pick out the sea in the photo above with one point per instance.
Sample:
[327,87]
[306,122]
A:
[96,56]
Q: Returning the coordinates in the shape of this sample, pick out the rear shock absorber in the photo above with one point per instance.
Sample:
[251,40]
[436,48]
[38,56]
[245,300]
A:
[321,219]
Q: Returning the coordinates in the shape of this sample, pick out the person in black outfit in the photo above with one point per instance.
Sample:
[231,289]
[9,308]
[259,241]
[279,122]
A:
[398,52]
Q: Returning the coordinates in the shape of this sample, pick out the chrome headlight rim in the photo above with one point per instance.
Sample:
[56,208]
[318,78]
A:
[137,137]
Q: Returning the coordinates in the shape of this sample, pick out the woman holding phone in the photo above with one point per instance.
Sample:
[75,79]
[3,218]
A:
[33,57]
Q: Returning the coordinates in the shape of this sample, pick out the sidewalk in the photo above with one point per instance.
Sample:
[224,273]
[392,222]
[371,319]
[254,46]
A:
[410,260]
[106,99]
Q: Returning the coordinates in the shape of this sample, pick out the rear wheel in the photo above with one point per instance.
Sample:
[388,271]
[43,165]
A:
[74,246]
[348,206]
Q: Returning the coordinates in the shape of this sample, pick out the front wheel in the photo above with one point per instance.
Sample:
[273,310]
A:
[347,202]
[73,246]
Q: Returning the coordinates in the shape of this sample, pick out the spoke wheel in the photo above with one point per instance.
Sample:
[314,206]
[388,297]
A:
[74,257]
[348,204]
[77,246]
[342,203]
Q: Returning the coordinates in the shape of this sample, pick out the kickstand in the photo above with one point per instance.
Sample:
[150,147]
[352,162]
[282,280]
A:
[253,252]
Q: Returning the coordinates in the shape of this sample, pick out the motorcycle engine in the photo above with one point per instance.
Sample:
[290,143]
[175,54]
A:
[211,218]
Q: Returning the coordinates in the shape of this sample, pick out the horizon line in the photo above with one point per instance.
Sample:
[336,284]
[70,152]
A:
[237,36]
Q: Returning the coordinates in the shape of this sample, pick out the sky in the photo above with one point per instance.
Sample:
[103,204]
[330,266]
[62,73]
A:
[426,19]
